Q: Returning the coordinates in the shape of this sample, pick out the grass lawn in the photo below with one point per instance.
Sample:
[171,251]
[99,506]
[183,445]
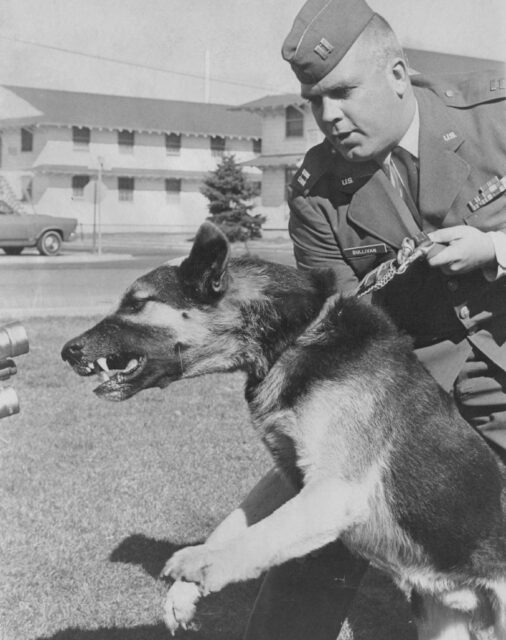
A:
[95,496]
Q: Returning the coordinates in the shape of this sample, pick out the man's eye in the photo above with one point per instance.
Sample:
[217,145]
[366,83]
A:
[314,101]
[340,94]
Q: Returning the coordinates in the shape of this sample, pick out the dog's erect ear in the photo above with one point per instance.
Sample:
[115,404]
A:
[204,272]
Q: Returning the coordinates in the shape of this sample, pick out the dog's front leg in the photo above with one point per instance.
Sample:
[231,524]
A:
[310,520]
[269,493]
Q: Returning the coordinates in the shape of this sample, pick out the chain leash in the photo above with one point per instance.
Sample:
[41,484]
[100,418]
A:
[412,249]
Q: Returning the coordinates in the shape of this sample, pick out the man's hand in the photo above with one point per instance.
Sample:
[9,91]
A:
[467,249]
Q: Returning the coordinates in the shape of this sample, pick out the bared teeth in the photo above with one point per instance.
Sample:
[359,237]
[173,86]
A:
[102,363]
[133,364]
[102,375]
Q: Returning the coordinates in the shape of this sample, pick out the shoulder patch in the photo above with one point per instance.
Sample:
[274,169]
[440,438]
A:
[315,164]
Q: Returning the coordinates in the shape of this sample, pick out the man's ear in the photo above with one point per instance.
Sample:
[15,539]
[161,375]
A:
[399,76]
[204,273]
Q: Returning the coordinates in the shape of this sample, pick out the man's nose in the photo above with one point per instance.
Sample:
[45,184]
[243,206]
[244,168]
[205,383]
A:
[331,109]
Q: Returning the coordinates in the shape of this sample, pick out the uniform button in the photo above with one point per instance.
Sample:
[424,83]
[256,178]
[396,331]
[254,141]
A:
[449,93]
[452,285]
[464,313]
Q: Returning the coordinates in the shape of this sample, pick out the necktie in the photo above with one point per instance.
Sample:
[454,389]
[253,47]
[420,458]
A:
[408,170]
[404,177]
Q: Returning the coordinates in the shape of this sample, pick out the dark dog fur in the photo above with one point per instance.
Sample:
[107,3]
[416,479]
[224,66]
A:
[378,452]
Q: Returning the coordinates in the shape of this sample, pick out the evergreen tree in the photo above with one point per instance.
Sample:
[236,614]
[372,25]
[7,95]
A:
[230,195]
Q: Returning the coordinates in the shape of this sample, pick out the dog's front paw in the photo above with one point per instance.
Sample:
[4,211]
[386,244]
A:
[180,606]
[190,564]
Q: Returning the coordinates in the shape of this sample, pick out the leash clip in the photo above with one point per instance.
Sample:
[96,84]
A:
[412,249]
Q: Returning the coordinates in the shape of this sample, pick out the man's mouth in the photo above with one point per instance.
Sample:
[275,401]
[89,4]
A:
[342,136]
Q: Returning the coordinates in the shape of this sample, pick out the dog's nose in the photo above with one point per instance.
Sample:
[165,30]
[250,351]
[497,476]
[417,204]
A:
[72,351]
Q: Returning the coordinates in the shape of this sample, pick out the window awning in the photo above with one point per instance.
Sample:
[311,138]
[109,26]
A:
[277,160]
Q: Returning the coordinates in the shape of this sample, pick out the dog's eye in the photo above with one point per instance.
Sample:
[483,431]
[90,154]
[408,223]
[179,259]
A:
[134,305]
[185,315]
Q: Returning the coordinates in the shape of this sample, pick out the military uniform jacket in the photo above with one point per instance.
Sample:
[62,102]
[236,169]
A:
[349,217]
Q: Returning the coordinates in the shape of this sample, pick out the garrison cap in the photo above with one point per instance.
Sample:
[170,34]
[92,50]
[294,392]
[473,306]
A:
[321,34]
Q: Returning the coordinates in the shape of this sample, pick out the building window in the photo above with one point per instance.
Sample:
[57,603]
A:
[294,122]
[217,145]
[81,137]
[26,140]
[126,189]
[172,189]
[126,140]
[257,146]
[173,143]
[78,184]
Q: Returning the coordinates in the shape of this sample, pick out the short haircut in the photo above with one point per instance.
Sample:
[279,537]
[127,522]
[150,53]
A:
[381,42]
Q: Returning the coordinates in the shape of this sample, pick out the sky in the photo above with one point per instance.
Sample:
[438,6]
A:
[158,48]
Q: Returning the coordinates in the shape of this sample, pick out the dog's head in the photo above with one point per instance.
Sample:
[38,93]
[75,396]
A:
[161,319]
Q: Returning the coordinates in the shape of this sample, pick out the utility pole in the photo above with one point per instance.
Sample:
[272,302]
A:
[207,76]
[99,206]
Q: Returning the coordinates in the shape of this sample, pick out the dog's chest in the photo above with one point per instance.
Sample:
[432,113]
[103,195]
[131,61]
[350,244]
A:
[321,431]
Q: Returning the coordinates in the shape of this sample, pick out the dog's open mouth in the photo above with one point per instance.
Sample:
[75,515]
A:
[115,370]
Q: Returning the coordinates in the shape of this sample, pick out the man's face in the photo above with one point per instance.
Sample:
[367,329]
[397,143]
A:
[360,106]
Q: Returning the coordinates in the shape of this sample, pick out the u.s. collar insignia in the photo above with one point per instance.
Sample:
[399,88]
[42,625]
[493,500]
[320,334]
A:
[303,177]
[451,135]
[489,191]
[346,181]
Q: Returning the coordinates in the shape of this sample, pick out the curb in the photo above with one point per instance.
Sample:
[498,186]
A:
[64,258]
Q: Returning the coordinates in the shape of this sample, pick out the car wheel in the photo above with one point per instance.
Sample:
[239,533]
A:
[13,251]
[49,243]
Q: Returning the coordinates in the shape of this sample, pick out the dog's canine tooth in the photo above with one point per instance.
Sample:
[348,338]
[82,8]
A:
[103,377]
[131,365]
[102,363]
[102,374]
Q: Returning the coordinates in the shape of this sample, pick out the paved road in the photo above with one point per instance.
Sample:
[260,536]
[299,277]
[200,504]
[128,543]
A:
[81,283]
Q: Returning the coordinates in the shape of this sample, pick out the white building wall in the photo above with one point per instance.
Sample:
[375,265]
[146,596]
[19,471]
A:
[275,143]
[274,140]
[55,159]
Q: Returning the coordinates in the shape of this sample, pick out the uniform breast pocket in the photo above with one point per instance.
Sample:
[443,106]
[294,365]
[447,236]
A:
[364,258]
[490,216]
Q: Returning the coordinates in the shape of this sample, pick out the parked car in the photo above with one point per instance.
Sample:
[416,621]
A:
[20,230]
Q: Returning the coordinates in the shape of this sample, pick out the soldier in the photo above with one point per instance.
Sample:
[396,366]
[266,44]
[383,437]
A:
[402,153]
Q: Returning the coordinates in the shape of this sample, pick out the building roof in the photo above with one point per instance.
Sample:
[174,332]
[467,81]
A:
[435,62]
[71,108]
[272,102]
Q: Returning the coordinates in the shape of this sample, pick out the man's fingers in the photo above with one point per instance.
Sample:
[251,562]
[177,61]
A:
[445,236]
[445,256]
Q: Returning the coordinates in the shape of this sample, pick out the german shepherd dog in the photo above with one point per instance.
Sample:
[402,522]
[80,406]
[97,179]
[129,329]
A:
[377,451]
